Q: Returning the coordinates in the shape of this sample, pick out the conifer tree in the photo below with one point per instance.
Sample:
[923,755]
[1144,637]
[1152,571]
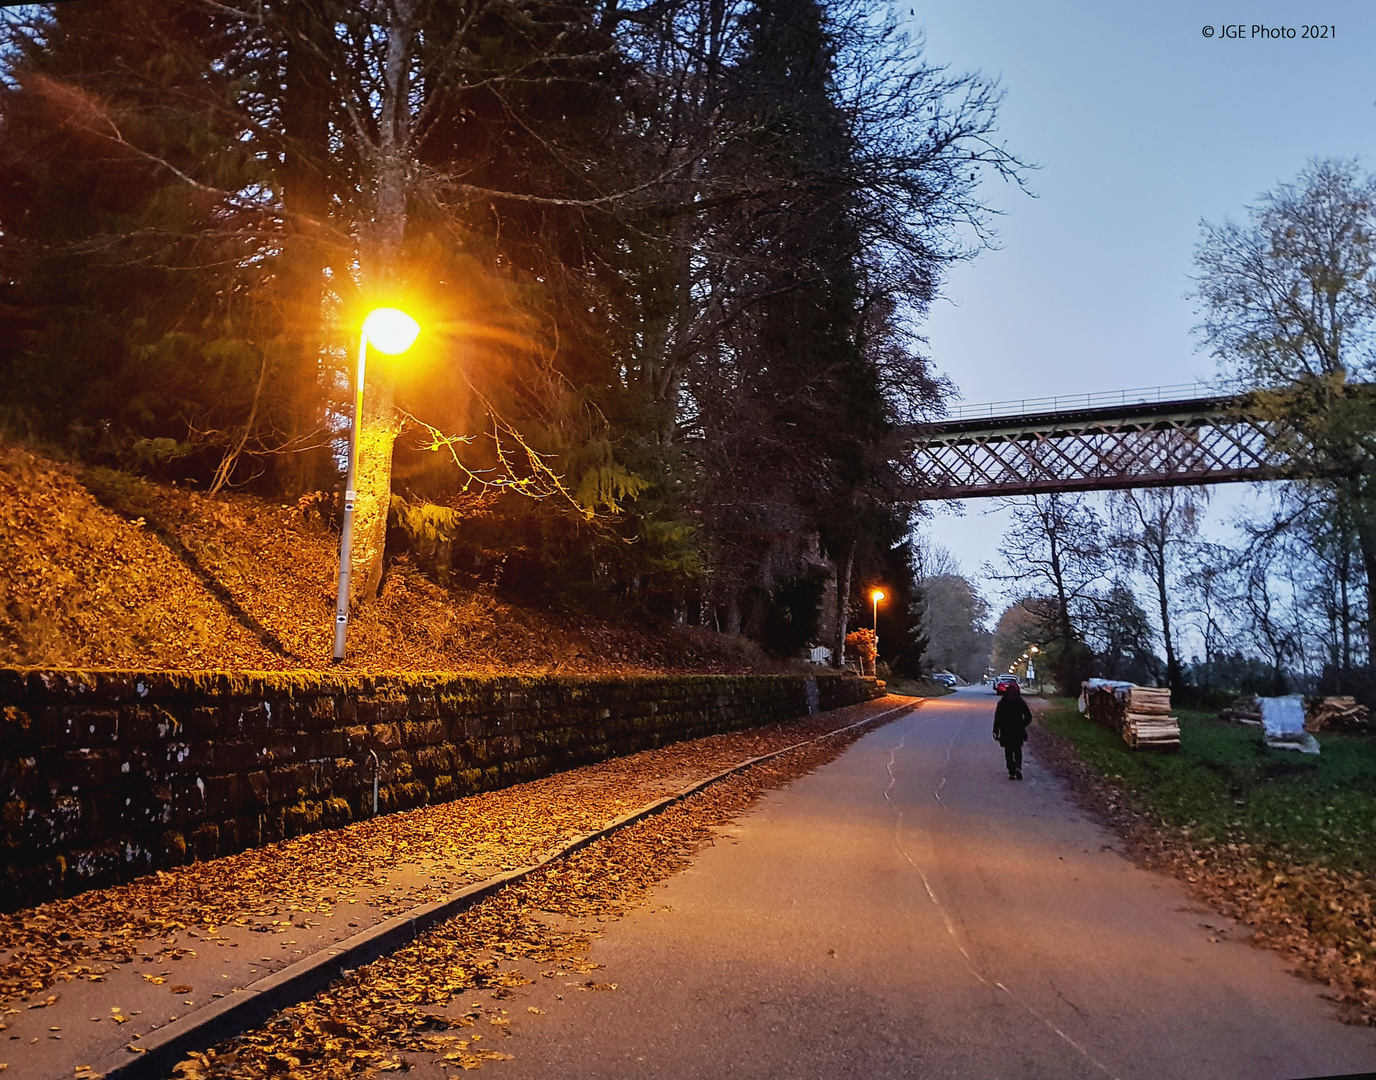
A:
[136,265]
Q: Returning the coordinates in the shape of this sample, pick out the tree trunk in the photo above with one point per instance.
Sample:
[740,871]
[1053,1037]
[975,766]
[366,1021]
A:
[1366,540]
[1344,580]
[1062,601]
[305,462]
[378,432]
[1163,598]
[843,575]
[733,613]
[376,437]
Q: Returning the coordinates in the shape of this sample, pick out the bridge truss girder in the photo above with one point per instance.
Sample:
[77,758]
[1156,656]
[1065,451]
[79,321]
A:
[1165,444]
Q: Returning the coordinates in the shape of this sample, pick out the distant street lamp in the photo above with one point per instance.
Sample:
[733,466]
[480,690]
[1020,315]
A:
[876,596]
[391,331]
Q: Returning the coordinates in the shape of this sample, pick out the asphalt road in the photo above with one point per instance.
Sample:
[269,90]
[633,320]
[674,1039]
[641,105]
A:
[907,911]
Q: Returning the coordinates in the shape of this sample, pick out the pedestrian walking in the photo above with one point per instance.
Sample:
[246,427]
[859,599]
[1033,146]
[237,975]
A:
[1011,717]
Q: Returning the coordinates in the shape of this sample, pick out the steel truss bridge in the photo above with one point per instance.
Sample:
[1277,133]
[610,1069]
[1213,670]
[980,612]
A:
[1159,437]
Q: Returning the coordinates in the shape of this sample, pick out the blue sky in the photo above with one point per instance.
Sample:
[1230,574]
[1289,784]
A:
[1141,127]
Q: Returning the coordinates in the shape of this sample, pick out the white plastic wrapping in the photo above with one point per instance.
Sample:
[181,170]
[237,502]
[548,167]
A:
[1282,720]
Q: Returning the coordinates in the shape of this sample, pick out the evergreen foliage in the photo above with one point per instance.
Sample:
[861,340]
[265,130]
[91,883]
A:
[669,258]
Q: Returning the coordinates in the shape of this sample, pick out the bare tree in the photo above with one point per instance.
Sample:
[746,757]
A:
[1289,308]
[932,560]
[1055,549]
[1154,529]
[953,620]
[1208,590]
[1269,623]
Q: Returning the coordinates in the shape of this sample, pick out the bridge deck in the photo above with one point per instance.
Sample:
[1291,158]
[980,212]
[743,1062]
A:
[1164,443]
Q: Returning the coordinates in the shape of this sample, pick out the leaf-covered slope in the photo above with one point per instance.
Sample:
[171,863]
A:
[82,586]
[98,569]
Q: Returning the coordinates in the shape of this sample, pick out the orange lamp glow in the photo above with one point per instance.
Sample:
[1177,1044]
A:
[390,330]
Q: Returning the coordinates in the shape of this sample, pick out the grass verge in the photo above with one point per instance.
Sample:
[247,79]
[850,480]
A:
[1283,842]
[1226,785]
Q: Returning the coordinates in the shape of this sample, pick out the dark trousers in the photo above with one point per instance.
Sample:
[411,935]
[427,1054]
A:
[1012,753]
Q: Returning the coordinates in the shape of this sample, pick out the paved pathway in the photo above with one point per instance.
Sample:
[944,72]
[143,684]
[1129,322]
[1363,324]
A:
[906,911]
[233,922]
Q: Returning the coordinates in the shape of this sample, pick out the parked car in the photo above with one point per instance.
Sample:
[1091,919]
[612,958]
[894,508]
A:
[1004,683]
[946,679]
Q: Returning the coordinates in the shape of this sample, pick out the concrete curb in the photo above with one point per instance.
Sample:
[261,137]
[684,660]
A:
[249,1007]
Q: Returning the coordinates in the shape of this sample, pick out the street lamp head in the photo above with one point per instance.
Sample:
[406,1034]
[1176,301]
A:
[390,330]
[877,595]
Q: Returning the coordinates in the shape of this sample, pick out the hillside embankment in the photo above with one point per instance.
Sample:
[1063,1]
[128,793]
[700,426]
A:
[103,570]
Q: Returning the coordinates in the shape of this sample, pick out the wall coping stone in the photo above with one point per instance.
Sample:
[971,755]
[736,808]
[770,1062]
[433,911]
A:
[43,684]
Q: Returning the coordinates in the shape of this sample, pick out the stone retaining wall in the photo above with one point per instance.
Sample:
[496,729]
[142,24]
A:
[108,775]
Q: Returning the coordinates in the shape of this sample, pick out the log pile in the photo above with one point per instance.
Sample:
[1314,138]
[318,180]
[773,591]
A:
[1243,710]
[1141,714]
[1341,714]
[1148,721]
[1157,733]
[1105,702]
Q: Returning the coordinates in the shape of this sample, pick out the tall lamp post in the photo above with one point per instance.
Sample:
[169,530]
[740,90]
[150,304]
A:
[875,597]
[391,332]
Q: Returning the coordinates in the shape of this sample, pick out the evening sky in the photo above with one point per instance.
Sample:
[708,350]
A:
[1140,127]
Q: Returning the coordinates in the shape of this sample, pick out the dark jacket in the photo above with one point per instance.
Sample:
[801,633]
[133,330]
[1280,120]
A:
[1011,718]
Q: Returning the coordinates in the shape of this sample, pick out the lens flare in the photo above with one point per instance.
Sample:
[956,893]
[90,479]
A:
[390,330]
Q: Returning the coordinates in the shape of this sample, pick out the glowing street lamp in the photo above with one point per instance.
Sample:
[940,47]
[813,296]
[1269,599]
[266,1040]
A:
[876,596]
[391,332]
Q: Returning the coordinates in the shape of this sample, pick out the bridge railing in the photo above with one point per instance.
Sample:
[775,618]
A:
[1146,395]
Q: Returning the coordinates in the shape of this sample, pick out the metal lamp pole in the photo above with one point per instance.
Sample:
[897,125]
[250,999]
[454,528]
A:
[876,596]
[391,331]
[346,532]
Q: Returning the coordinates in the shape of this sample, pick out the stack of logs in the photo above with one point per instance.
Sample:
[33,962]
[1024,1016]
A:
[1141,714]
[1149,721]
[1337,714]
[1243,710]
[1341,714]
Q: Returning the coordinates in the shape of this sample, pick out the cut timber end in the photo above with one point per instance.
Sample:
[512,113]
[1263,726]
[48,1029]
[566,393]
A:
[1149,731]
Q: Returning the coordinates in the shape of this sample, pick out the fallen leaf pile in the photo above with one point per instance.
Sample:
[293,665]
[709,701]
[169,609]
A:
[1321,920]
[457,843]
[415,1002]
[106,570]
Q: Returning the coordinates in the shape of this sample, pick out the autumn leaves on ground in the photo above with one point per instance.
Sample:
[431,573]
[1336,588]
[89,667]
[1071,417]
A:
[105,570]
[444,997]
[441,999]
